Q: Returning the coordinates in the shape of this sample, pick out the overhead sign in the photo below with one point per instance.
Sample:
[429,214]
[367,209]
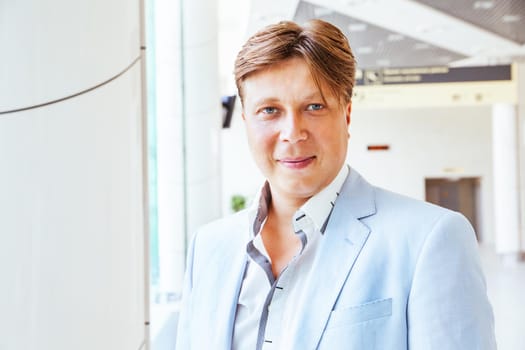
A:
[429,75]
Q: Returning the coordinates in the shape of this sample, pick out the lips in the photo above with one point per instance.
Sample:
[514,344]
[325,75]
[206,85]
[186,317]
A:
[296,162]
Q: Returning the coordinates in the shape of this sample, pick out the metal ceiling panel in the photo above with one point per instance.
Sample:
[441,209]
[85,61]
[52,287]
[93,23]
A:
[376,47]
[502,17]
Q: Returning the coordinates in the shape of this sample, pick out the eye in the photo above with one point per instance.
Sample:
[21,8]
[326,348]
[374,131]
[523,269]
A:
[314,107]
[269,110]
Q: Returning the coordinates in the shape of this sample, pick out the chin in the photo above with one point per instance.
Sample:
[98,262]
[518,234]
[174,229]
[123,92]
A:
[300,191]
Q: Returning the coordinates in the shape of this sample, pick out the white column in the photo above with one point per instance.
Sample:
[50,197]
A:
[188,126]
[71,184]
[202,112]
[520,70]
[505,176]
[170,144]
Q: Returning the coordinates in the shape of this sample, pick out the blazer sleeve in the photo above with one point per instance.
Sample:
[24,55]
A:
[183,335]
[448,306]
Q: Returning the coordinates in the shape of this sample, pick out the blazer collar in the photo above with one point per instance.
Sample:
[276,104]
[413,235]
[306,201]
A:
[357,197]
[218,312]
[344,239]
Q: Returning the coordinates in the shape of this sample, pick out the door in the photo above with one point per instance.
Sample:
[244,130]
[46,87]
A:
[458,194]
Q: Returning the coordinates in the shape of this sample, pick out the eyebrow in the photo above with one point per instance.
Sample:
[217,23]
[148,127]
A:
[266,100]
[269,100]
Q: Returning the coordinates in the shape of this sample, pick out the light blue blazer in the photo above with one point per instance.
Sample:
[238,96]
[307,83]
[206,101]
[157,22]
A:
[393,273]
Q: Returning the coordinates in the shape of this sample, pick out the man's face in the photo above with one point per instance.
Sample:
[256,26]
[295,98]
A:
[298,140]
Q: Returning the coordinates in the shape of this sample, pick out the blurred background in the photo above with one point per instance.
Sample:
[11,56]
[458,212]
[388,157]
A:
[120,134]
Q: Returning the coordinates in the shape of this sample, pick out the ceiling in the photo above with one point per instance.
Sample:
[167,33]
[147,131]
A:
[413,33]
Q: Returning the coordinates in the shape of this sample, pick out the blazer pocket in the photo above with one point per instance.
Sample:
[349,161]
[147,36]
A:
[360,313]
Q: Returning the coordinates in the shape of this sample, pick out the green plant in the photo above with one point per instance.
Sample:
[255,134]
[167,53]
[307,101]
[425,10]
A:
[238,202]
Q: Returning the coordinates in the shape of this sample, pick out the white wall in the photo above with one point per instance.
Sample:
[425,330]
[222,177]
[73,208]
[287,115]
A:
[423,142]
[240,175]
[71,184]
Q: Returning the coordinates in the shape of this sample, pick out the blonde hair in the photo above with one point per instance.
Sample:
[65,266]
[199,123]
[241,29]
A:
[324,48]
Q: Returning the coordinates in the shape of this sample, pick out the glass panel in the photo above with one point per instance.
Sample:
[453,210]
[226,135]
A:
[166,164]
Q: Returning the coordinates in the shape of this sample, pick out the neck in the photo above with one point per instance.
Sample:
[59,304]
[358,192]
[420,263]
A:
[283,208]
[278,234]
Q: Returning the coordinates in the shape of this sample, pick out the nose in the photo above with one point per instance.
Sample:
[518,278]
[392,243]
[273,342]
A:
[293,128]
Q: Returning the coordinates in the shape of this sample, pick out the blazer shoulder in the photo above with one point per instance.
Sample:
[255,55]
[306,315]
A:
[228,230]
[388,202]
[415,219]
[229,224]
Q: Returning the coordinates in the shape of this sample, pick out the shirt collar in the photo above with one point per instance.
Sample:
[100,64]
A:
[259,209]
[317,208]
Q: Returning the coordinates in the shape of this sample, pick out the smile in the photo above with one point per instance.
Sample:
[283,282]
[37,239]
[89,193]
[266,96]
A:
[296,163]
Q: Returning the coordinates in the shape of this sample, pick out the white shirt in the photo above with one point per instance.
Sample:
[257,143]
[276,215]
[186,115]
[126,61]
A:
[265,303]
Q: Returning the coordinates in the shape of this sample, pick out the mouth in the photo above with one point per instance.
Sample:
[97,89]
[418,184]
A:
[296,162]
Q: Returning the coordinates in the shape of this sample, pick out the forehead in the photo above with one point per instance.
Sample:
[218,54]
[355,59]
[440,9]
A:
[289,78]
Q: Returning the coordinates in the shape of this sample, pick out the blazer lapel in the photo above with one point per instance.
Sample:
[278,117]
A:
[341,244]
[229,293]
[219,302]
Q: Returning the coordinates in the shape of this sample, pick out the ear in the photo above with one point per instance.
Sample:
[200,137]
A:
[348,112]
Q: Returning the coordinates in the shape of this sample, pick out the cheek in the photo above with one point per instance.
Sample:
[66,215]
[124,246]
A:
[335,142]
[260,140]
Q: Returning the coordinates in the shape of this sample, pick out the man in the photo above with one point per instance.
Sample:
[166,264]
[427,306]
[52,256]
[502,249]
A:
[324,260]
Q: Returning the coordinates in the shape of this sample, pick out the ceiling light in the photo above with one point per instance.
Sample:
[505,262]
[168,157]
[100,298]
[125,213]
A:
[395,37]
[364,50]
[511,18]
[357,27]
[483,5]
